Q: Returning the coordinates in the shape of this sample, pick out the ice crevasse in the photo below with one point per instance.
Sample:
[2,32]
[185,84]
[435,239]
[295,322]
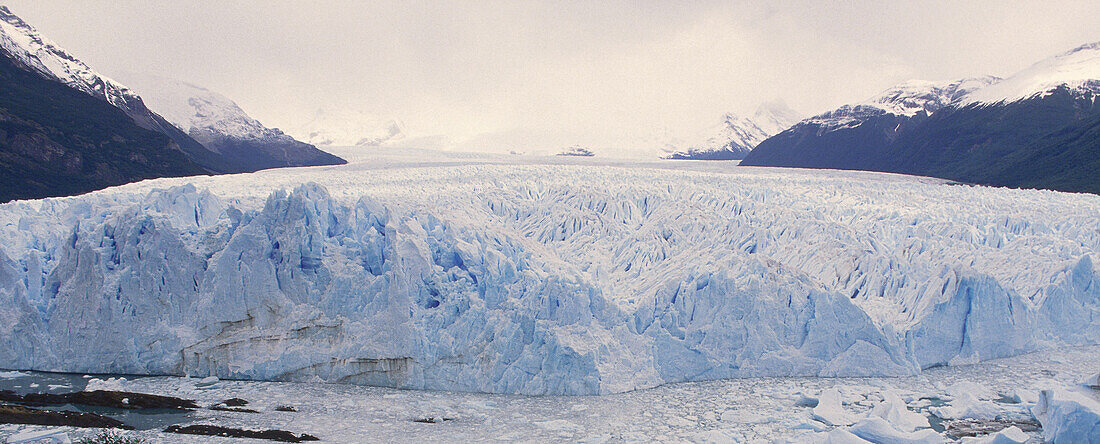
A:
[543,280]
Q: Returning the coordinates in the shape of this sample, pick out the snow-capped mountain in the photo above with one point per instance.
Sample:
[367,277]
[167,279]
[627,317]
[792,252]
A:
[222,126]
[345,127]
[905,100]
[1077,71]
[735,136]
[196,109]
[24,43]
[34,52]
[1036,128]
[67,129]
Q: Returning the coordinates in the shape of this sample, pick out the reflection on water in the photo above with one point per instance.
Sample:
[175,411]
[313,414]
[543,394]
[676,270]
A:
[24,382]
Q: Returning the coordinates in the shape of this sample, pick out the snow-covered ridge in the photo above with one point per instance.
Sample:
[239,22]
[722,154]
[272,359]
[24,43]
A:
[22,42]
[738,135]
[907,100]
[195,109]
[555,277]
[1078,70]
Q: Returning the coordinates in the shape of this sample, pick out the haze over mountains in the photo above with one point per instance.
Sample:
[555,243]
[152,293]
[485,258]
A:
[1036,128]
[220,125]
[344,127]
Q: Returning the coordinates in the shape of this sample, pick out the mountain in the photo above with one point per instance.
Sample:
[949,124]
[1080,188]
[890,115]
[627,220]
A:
[857,134]
[68,129]
[348,128]
[736,136]
[33,52]
[1077,70]
[1036,128]
[64,137]
[220,125]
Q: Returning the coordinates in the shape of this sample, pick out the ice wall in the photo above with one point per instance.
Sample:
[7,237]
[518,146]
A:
[527,286]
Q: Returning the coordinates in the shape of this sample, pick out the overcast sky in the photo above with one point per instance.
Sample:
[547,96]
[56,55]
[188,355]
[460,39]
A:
[566,72]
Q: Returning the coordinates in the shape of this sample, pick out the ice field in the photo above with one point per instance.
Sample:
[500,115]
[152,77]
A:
[998,394]
[543,276]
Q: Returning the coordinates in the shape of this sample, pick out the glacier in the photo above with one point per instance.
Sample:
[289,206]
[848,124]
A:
[542,275]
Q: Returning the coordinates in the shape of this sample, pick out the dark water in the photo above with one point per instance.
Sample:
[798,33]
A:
[43,382]
[935,421]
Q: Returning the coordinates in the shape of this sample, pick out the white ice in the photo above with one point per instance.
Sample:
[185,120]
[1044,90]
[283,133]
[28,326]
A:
[555,276]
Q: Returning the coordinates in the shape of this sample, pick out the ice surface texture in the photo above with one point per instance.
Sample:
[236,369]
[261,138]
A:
[543,279]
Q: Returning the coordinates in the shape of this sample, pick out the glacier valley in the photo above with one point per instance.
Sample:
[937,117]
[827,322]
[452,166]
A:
[532,275]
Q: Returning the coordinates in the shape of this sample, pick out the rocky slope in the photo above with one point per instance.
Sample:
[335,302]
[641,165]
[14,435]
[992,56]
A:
[31,51]
[55,140]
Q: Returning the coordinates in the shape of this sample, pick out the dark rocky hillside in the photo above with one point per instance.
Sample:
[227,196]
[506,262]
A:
[57,141]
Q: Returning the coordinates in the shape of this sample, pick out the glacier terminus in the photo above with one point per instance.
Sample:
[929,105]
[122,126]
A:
[524,275]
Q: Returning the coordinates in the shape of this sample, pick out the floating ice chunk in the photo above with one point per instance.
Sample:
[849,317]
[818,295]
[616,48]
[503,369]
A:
[966,405]
[830,411]
[1022,396]
[894,410]
[805,400]
[878,430]
[834,436]
[809,425]
[966,402]
[207,382]
[1092,381]
[1068,416]
[52,435]
[1011,435]
[109,384]
[13,374]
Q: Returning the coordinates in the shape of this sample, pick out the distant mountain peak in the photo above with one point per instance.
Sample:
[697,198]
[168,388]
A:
[735,136]
[915,96]
[906,99]
[28,47]
[195,109]
[346,127]
[220,125]
[775,116]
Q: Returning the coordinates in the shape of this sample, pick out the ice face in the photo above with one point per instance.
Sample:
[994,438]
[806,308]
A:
[542,279]
[1068,416]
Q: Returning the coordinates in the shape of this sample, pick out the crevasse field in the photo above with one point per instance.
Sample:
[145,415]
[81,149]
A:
[543,276]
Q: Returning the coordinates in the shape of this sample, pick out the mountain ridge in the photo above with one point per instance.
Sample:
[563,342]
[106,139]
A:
[736,136]
[974,130]
[222,126]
